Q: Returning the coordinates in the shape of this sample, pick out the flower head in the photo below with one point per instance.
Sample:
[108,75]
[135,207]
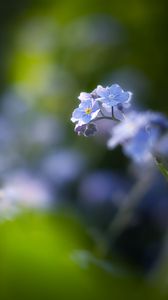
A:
[113,95]
[141,135]
[86,112]
[138,135]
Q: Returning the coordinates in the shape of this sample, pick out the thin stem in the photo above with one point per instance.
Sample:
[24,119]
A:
[112,113]
[161,167]
[112,118]
[125,212]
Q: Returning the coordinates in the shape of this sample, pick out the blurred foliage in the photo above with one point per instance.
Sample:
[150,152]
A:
[38,262]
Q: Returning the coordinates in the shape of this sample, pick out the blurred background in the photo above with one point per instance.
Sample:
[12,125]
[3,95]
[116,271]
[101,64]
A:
[59,193]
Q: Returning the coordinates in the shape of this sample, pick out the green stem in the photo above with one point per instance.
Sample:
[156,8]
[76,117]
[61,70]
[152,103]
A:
[161,167]
[126,210]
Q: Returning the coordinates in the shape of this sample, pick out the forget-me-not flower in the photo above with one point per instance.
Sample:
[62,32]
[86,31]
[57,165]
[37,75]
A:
[113,95]
[138,135]
[143,136]
[86,112]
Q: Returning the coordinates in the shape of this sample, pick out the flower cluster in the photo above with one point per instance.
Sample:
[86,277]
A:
[102,103]
[138,133]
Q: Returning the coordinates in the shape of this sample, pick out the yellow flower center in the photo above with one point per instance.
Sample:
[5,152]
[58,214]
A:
[88,111]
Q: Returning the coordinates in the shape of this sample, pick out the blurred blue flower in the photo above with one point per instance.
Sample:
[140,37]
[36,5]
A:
[138,134]
[113,95]
[22,190]
[63,166]
[140,147]
[103,186]
[86,112]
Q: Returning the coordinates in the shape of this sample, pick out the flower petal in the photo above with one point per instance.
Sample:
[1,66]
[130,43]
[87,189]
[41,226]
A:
[122,97]
[86,118]
[84,96]
[115,89]
[85,104]
[94,114]
[95,106]
[77,113]
[102,92]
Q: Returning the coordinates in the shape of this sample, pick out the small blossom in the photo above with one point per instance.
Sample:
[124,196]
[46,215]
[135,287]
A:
[140,147]
[113,95]
[141,135]
[138,135]
[86,129]
[86,112]
[126,129]
[101,103]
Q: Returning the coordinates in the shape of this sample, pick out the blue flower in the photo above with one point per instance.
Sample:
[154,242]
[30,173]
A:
[113,95]
[86,112]
[139,148]
[138,135]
